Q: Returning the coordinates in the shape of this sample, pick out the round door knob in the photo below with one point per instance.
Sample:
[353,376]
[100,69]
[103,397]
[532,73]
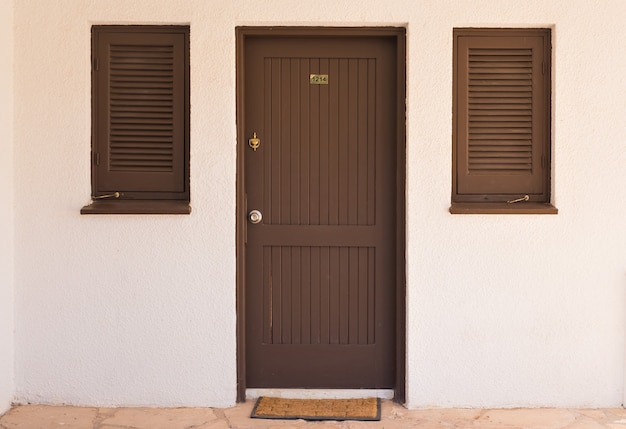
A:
[255,216]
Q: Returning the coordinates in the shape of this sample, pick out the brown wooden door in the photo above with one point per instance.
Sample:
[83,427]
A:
[320,281]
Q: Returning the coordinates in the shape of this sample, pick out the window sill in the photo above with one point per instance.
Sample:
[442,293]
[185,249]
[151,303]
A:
[137,207]
[503,208]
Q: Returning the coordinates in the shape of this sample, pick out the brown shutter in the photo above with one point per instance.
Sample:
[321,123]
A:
[140,105]
[502,114]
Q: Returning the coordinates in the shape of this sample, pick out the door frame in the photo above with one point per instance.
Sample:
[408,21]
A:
[399,34]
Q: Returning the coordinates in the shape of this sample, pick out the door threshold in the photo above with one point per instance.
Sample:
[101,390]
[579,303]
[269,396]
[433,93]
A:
[254,393]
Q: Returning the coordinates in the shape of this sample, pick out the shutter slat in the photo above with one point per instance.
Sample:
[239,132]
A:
[494,105]
[502,51]
[500,133]
[140,126]
[147,132]
[140,79]
[501,101]
[501,93]
[152,111]
[142,101]
[489,148]
[122,119]
[487,111]
[502,78]
[138,91]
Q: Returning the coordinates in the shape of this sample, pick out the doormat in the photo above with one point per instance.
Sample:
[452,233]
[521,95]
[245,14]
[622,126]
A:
[367,409]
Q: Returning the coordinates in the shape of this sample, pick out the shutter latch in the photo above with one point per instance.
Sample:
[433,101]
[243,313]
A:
[113,195]
[524,198]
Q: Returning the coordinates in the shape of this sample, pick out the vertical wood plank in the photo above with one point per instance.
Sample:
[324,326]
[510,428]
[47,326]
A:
[323,144]
[334,295]
[343,141]
[276,295]
[371,296]
[267,295]
[353,96]
[285,299]
[353,295]
[285,142]
[363,315]
[362,125]
[294,144]
[275,140]
[306,295]
[305,151]
[314,129]
[267,149]
[371,143]
[344,296]
[333,143]
[324,295]
[296,298]
[315,296]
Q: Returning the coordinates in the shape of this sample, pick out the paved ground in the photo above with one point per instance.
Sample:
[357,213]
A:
[393,417]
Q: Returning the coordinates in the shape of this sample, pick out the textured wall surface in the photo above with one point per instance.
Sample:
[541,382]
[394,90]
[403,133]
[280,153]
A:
[6,206]
[503,310]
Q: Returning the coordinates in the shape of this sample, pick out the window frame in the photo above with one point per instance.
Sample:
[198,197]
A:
[467,197]
[141,191]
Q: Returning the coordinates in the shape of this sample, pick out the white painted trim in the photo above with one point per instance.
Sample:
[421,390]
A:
[320,393]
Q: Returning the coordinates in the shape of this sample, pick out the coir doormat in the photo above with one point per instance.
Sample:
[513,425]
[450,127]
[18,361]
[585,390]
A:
[367,409]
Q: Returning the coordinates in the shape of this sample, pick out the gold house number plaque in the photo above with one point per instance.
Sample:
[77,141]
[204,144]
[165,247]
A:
[318,79]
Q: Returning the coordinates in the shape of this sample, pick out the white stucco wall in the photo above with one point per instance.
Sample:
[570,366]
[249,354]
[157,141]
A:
[7,224]
[140,310]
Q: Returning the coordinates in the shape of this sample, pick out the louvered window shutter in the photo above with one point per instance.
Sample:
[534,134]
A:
[502,115]
[140,113]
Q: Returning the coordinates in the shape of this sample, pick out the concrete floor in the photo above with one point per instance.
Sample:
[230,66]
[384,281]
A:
[393,417]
